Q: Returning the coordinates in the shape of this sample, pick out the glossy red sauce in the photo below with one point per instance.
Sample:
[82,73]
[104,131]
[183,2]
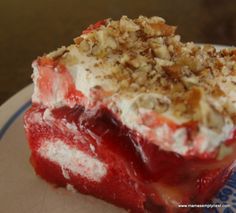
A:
[139,161]
[149,162]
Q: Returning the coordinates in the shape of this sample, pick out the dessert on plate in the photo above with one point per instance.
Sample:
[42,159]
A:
[132,115]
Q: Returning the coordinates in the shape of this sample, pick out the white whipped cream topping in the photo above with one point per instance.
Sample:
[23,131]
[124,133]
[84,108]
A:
[86,76]
[73,160]
[205,141]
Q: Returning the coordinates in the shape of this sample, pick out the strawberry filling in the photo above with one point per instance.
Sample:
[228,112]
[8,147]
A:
[132,161]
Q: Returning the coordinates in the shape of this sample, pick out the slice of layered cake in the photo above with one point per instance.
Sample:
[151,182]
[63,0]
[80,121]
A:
[132,115]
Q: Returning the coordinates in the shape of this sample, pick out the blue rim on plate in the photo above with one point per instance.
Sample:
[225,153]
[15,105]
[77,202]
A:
[226,196]
[14,116]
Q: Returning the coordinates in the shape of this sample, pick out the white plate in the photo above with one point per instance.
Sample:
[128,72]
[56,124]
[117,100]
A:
[22,191]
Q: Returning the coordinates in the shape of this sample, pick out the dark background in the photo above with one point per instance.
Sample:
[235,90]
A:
[29,28]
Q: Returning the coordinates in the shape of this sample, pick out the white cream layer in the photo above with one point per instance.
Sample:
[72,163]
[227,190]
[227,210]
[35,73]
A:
[86,77]
[73,161]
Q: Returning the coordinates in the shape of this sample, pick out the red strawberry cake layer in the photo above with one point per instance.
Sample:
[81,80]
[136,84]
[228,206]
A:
[132,115]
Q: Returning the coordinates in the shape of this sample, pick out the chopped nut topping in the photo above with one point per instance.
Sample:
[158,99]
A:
[147,57]
[218,91]
[153,102]
[57,53]
[193,99]
[127,25]
[173,71]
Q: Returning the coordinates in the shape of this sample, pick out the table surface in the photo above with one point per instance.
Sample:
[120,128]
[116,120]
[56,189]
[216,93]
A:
[32,28]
